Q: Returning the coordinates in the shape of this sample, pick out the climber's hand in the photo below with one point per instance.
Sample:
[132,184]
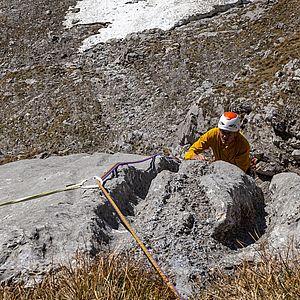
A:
[199,157]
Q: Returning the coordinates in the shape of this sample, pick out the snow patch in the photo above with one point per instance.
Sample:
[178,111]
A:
[125,16]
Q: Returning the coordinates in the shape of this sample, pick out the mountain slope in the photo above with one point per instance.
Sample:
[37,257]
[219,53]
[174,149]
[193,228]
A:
[133,95]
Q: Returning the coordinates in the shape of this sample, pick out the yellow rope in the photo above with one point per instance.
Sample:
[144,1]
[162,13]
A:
[153,262]
[43,194]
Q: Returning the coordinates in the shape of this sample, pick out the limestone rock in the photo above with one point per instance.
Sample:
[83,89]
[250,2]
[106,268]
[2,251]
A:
[296,155]
[284,211]
[42,233]
[192,126]
[192,219]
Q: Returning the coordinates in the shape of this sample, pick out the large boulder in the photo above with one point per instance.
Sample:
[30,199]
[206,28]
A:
[192,219]
[282,233]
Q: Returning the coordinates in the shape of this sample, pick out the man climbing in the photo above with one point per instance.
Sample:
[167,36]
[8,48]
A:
[226,142]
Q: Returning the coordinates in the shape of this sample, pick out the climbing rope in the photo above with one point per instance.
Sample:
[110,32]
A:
[140,243]
[43,194]
[112,169]
[119,164]
[100,182]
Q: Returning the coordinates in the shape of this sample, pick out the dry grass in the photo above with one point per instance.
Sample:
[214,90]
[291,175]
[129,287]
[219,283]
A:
[276,277]
[119,277]
[109,277]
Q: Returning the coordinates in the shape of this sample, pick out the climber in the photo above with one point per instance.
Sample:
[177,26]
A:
[226,142]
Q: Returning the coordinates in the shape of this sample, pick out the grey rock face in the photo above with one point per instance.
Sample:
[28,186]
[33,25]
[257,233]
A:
[192,218]
[282,219]
[42,233]
[192,126]
[268,169]
[284,211]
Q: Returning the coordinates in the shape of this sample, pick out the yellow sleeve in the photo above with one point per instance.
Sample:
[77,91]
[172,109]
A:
[242,160]
[203,143]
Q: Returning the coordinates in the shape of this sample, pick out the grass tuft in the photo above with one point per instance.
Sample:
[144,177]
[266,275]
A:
[276,276]
[110,277]
[107,277]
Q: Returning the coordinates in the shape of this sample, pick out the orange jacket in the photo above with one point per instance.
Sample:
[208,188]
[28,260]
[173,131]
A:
[238,153]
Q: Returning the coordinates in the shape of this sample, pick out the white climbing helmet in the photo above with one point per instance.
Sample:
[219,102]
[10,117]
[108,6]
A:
[230,121]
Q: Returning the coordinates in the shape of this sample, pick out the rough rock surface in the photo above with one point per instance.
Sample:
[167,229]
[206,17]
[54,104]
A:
[40,234]
[193,216]
[191,219]
[282,231]
[284,211]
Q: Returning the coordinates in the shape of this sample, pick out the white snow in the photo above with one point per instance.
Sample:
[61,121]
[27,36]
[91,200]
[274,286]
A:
[128,16]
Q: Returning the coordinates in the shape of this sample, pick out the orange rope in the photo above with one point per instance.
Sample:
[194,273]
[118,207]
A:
[140,243]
